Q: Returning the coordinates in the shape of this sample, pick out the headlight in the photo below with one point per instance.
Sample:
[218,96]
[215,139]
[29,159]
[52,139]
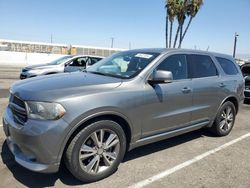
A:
[44,110]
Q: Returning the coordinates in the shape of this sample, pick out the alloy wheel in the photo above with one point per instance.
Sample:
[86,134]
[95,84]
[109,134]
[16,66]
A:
[227,119]
[99,151]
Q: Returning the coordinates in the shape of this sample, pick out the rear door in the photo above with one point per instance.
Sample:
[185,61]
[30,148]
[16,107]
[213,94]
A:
[206,86]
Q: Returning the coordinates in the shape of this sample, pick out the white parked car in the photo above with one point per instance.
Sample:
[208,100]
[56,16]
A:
[64,64]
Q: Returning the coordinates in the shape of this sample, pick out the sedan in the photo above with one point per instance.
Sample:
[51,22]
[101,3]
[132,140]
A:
[63,64]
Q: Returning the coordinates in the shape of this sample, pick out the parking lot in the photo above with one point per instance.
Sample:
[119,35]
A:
[196,159]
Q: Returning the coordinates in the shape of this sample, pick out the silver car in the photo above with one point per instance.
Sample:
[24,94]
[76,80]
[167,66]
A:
[132,98]
[64,64]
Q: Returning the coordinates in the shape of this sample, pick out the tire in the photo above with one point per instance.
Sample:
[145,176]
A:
[104,154]
[224,120]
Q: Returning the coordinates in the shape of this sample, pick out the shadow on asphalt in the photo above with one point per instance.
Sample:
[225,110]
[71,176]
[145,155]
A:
[33,179]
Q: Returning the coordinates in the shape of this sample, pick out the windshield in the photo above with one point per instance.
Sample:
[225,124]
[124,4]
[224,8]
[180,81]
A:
[60,60]
[124,64]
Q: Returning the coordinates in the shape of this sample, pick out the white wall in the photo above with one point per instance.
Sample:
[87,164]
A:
[21,59]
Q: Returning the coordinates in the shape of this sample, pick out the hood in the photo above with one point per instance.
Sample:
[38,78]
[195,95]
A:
[58,86]
[39,66]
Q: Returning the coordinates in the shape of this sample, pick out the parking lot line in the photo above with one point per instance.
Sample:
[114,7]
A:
[1,125]
[187,163]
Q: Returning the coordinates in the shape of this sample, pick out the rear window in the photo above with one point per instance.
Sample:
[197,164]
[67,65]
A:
[228,66]
[201,66]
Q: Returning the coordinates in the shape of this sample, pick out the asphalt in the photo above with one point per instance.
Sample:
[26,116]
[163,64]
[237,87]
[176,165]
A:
[229,167]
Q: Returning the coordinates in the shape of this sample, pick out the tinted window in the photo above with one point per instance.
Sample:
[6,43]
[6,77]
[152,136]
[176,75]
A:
[177,64]
[227,65]
[201,66]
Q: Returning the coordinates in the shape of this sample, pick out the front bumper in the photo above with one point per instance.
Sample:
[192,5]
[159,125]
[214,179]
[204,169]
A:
[23,76]
[36,144]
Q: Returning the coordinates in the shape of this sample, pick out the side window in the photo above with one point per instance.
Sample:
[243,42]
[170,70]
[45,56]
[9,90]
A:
[78,62]
[227,66]
[201,66]
[177,64]
[94,60]
[82,62]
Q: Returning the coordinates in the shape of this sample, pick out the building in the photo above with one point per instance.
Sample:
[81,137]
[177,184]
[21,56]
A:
[53,48]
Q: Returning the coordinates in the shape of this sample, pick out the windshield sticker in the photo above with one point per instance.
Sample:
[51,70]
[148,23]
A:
[145,56]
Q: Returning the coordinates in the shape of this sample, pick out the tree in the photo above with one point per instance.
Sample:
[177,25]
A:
[166,7]
[180,9]
[181,16]
[171,12]
[193,7]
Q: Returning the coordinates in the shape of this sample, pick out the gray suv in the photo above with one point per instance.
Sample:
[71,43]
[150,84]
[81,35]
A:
[132,98]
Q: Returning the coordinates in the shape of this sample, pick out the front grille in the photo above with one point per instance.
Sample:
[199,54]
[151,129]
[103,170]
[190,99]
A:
[17,107]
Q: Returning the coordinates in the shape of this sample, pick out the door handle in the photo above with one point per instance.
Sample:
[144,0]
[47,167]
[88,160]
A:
[186,90]
[222,85]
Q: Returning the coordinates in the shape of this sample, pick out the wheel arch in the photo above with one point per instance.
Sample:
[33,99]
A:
[117,117]
[234,100]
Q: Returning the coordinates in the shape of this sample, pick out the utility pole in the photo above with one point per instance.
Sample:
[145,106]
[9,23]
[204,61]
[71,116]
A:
[112,42]
[235,43]
[129,45]
[51,38]
[208,47]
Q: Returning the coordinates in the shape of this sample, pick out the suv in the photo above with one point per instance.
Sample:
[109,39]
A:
[245,68]
[132,98]
[64,64]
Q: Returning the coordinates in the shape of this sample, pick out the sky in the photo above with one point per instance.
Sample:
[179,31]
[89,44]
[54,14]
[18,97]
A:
[135,23]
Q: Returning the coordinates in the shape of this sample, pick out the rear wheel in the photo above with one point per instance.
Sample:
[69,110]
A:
[96,151]
[225,119]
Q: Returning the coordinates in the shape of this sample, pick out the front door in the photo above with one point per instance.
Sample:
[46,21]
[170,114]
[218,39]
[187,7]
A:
[169,105]
[77,64]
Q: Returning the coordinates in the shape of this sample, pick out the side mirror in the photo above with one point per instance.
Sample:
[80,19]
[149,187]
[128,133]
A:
[161,76]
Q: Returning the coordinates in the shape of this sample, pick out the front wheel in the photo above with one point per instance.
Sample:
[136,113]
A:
[224,120]
[96,151]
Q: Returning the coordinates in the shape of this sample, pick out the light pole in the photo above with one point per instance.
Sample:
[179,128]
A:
[235,43]
[112,42]
[51,38]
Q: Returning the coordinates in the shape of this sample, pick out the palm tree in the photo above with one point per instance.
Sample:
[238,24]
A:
[181,16]
[176,35]
[180,10]
[166,31]
[193,6]
[171,11]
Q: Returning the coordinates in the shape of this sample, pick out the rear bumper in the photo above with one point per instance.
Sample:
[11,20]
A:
[36,145]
